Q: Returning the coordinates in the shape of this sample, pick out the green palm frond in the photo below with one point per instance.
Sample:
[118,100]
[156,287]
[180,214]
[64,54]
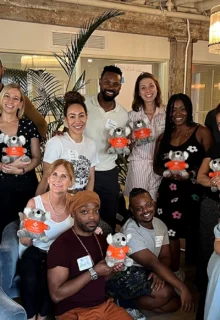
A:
[16,76]
[80,83]
[44,88]
[53,127]
[44,84]
[69,58]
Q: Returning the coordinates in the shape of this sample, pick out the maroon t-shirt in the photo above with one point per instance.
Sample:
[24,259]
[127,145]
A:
[64,252]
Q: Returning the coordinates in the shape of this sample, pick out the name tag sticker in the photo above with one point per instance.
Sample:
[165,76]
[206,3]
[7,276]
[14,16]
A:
[84,263]
[159,241]
[73,154]
[111,124]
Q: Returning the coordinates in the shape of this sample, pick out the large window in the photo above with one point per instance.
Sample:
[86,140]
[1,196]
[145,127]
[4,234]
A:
[36,62]
[205,90]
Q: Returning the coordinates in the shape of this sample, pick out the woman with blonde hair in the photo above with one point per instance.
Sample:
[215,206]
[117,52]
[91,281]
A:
[32,266]
[18,181]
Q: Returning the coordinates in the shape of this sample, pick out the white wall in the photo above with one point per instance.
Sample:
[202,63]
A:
[201,54]
[37,38]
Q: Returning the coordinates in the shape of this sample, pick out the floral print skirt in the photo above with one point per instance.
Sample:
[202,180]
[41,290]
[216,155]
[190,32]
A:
[178,207]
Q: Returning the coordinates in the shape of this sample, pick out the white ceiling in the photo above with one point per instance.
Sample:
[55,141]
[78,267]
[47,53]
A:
[190,6]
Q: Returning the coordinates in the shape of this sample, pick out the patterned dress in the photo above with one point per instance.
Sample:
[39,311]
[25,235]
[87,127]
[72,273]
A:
[16,190]
[179,201]
[140,169]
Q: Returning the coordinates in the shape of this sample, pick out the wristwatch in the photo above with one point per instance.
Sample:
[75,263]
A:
[93,274]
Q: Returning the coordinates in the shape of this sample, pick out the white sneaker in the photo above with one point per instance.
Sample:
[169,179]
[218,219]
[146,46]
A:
[136,314]
[180,274]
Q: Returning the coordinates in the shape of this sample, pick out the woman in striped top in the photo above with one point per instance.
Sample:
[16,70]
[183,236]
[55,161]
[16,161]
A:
[147,105]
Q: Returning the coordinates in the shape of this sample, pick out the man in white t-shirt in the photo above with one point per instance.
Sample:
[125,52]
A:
[105,113]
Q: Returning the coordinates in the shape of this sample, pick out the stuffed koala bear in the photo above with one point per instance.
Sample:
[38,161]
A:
[34,225]
[214,165]
[118,249]
[177,165]
[14,149]
[119,141]
[141,132]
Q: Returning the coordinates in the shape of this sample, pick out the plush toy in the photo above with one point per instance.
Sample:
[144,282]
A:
[119,142]
[214,165]
[14,149]
[177,165]
[118,249]
[141,133]
[34,225]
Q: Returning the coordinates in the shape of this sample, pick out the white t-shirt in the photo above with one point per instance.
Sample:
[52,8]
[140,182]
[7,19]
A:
[143,238]
[82,155]
[97,128]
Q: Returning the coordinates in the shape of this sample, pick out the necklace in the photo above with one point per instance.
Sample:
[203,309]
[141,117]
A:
[9,121]
[86,248]
[56,214]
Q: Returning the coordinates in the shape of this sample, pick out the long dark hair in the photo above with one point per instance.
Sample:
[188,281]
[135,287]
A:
[169,125]
[217,110]
[138,102]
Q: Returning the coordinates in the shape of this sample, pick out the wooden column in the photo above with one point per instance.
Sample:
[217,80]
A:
[177,66]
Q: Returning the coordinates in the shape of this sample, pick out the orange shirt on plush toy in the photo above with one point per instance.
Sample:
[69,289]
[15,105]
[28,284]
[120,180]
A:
[35,226]
[118,142]
[214,174]
[175,165]
[117,253]
[15,151]
[142,133]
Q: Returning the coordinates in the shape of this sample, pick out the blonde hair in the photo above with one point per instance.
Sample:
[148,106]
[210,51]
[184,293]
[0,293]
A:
[61,162]
[5,90]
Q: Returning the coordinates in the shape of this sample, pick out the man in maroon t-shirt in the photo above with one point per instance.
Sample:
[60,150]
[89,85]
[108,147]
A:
[76,267]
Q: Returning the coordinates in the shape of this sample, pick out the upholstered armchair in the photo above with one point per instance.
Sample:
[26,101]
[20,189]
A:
[9,280]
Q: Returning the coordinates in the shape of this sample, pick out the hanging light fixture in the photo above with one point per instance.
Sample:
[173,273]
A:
[214,30]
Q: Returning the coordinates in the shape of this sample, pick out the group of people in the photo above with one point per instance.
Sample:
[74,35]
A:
[80,185]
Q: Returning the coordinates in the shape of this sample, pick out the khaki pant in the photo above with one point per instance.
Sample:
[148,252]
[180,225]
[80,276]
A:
[105,311]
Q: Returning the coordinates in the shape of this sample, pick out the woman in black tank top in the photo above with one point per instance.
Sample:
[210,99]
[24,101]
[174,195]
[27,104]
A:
[179,194]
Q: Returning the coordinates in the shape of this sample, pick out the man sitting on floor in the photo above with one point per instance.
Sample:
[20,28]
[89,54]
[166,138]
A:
[76,267]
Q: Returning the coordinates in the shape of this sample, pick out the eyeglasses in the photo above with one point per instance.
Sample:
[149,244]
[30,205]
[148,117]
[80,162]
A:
[111,83]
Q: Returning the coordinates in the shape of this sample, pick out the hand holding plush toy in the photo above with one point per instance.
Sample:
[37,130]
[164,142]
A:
[118,249]
[14,149]
[34,225]
[119,142]
[215,167]
[177,165]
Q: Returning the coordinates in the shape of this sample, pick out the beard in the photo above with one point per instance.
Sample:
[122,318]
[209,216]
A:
[86,228]
[107,97]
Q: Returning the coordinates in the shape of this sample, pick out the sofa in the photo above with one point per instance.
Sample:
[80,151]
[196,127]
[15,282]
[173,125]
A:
[9,309]
[9,279]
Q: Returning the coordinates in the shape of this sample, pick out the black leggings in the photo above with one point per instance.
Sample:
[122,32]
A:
[34,290]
